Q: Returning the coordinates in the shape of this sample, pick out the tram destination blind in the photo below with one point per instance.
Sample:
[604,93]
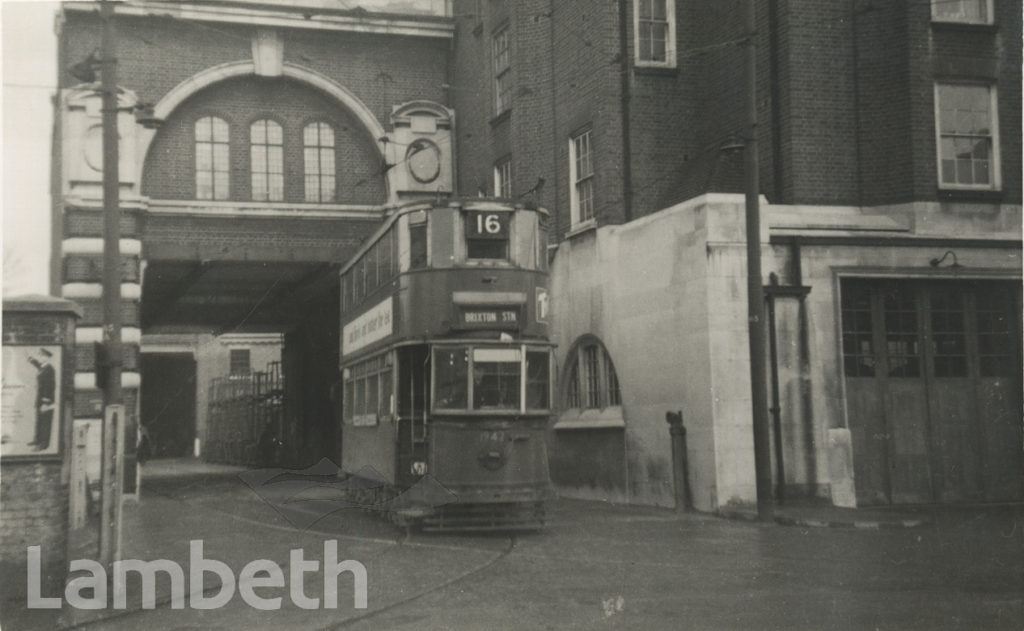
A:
[486,225]
[489,317]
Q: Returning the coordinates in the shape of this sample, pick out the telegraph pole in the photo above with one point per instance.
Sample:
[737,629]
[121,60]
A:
[109,358]
[755,289]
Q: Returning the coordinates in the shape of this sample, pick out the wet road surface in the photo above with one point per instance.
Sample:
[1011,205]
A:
[595,566]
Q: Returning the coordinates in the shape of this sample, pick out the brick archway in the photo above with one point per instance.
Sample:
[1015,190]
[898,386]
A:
[181,92]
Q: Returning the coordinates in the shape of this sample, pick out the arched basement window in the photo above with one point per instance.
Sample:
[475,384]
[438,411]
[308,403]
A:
[318,158]
[267,161]
[591,382]
[212,165]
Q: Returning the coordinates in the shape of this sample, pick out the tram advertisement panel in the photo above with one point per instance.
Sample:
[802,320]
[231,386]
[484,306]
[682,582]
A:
[372,326]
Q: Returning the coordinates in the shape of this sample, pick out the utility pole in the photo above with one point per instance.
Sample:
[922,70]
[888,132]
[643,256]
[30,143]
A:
[755,289]
[109,359]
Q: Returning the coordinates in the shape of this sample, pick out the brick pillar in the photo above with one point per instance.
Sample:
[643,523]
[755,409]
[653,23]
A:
[82,249]
[35,455]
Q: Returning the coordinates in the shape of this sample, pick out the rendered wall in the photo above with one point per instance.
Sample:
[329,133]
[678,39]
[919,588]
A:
[666,294]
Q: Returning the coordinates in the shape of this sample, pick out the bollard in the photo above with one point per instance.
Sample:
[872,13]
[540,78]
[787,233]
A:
[680,474]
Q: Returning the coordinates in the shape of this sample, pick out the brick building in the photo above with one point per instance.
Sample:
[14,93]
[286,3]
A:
[281,127]
[889,136]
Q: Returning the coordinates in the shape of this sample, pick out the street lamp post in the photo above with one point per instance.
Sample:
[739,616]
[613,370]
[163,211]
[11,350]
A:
[755,289]
[110,358]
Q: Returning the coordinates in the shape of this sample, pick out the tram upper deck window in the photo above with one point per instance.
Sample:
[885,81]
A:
[417,240]
[487,235]
[496,378]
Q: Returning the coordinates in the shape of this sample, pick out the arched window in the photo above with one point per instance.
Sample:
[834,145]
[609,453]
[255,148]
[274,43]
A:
[266,161]
[591,382]
[318,157]
[212,166]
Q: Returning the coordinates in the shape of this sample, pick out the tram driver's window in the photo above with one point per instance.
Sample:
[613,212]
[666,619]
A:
[451,374]
[496,378]
[417,240]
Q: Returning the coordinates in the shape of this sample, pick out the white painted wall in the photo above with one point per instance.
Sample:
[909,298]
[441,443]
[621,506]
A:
[29,57]
[667,295]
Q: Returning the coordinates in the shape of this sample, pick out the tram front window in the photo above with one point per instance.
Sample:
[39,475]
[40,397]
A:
[451,372]
[496,378]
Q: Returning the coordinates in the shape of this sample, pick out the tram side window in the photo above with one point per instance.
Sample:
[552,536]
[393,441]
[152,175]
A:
[385,257]
[417,240]
[451,372]
[367,391]
[370,260]
[496,378]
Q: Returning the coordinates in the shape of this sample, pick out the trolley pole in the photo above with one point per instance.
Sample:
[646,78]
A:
[755,290]
[109,359]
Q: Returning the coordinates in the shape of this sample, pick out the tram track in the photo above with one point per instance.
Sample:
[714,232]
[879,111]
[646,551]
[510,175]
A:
[510,546]
[403,541]
[391,545]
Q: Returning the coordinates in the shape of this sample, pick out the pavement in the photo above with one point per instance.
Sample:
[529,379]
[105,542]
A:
[816,513]
[596,565]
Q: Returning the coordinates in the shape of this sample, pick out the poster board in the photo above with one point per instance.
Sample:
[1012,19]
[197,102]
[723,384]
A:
[31,401]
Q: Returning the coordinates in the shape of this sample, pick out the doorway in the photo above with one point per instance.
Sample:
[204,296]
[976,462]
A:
[933,390]
[168,404]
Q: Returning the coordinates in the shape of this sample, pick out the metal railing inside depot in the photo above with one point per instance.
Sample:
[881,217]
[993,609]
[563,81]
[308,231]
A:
[245,421]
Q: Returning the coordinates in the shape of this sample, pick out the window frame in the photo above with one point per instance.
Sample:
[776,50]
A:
[603,377]
[947,19]
[473,241]
[238,354]
[670,36]
[578,182]
[380,369]
[503,178]
[501,69]
[266,193]
[995,169]
[217,193]
[319,174]
[523,350]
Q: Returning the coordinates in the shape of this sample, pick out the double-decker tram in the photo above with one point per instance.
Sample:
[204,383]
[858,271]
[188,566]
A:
[446,362]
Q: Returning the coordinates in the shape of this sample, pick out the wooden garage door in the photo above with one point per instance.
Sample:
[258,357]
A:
[933,390]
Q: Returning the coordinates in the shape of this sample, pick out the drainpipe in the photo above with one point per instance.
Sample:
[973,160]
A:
[624,78]
[773,353]
[680,468]
[806,402]
[557,141]
[795,290]
[773,96]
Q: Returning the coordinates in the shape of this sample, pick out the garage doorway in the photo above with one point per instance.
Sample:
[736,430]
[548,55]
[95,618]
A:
[933,390]
[168,403]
